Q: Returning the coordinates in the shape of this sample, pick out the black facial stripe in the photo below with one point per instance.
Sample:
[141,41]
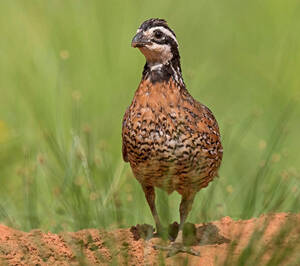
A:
[171,69]
[165,40]
[160,41]
[167,28]
[163,26]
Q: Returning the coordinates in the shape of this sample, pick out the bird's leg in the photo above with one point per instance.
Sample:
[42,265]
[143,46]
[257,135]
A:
[150,196]
[177,246]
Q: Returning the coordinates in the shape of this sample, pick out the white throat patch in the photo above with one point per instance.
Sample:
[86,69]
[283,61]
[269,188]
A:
[157,53]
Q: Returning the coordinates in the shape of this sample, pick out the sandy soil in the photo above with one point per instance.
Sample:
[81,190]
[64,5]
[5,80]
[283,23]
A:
[130,246]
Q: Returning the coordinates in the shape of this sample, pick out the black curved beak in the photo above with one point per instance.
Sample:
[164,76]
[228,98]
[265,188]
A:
[139,40]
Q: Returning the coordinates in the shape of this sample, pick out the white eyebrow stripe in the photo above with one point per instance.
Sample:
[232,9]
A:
[165,31]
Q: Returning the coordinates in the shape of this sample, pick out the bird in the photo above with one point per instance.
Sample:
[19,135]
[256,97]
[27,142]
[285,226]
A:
[171,141]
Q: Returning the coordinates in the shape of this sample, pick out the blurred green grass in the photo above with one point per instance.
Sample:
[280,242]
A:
[68,73]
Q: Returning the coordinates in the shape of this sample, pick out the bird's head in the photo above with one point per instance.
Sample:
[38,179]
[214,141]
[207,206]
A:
[156,41]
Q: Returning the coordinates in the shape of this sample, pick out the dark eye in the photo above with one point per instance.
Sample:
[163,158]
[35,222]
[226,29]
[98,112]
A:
[158,34]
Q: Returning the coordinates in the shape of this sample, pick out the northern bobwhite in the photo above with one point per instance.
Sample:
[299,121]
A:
[170,140]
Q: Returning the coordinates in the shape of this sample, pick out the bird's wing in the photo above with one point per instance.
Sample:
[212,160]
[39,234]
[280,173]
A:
[124,150]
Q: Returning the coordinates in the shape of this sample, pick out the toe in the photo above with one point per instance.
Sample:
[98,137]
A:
[179,248]
[175,248]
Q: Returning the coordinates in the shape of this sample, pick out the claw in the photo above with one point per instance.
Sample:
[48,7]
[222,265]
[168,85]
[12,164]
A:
[175,248]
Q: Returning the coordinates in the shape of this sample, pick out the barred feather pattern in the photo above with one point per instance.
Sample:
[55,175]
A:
[170,140]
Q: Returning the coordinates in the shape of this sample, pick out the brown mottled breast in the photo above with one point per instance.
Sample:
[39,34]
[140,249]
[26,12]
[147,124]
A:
[170,140]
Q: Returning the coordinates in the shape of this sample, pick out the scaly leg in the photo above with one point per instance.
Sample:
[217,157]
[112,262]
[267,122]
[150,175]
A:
[150,196]
[177,246]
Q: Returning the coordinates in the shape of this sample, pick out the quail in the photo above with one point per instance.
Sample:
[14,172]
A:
[171,140]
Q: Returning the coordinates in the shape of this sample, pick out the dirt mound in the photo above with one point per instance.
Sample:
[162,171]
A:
[217,241]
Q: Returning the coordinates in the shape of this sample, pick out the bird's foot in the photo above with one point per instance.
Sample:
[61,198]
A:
[147,232]
[163,233]
[144,231]
[175,248]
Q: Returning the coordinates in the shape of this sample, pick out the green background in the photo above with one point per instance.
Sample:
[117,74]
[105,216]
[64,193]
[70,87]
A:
[68,74]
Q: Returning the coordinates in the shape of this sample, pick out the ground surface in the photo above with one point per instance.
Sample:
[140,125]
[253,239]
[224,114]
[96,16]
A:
[128,246]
